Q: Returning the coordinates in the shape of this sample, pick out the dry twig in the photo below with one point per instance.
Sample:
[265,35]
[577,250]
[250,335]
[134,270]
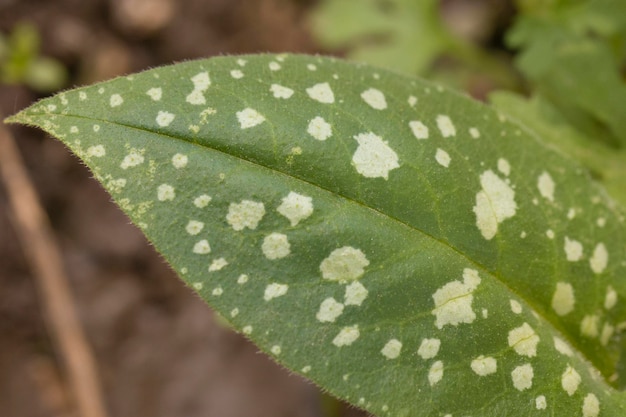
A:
[33,229]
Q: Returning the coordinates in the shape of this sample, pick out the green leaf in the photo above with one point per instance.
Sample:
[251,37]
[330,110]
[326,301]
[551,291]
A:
[573,53]
[406,248]
[401,34]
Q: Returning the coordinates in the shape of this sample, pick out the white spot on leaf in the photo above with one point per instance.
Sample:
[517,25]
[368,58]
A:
[524,340]
[373,157]
[194,227]
[429,348]
[563,299]
[445,126]
[419,129]
[494,204]
[218,264]
[570,380]
[611,298]
[274,66]
[319,129]
[281,92]
[322,93]
[483,366]
[356,293]
[155,93]
[541,403]
[504,166]
[275,246]
[571,213]
[435,373]
[249,118]
[392,349]
[347,336]
[474,132]
[245,214]
[202,201]
[516,307]
[453,301]
[442,158]
[196,97]
[201,83]
[344,264]
[545,183]
[133,159]
[591,406]
[165,192]
[522,377]
[165,118]
[589,325]
[275,290]
[180,161]
[607,333]
[236,74]
[329,310]
[296,207]
[116,100]
[562,347]
[599,259]
[573,250]
[202,247]
[97,151]
[374,98]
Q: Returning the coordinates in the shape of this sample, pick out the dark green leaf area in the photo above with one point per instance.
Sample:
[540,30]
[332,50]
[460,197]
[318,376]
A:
[401,245]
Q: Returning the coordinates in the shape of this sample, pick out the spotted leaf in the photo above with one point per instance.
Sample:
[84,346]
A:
[403,246]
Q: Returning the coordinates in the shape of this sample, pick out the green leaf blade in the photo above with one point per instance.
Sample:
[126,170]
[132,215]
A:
[345,241]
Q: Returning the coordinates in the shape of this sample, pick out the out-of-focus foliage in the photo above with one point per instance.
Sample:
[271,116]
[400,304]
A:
[572,52]
[405,35]
[20,62]
[408,36]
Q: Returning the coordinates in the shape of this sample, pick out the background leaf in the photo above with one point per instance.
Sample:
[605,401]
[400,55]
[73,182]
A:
[403,246]
[573,53]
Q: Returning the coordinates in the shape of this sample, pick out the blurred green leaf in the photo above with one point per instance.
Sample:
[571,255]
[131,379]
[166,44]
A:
[573,53]
[404,35]
[20,61]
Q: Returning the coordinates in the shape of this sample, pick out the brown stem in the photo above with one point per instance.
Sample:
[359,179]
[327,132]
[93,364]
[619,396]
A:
[44,257]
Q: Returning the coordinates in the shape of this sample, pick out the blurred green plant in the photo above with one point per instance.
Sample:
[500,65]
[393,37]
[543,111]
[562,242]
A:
[408,36]
[21,62]
[573,54]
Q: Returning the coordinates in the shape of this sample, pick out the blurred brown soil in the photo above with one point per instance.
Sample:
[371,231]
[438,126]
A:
[160,350]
